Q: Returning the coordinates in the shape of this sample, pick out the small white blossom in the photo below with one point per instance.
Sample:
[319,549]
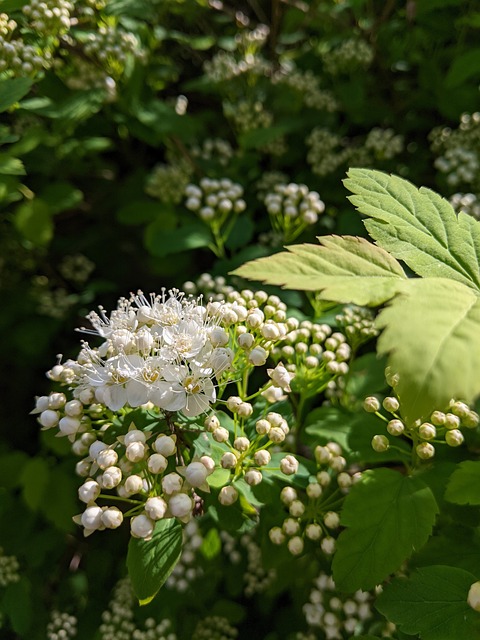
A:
[228,495]
[142,526]
[289,464]
[157,463]
[112,518]
[172,483]
[155,508]
[281,377]
[180,506]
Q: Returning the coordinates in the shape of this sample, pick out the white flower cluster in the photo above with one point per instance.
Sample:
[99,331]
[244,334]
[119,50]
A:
[214,628]
[308,86]
[247,115]
[49,17]
[383,144]
[76,268]
[61,626]
[214,150]
[80,75]
[466,202]
[215,200]
[187,568]
[443,424]
[350,55]
[292,207]
[111,47]
[310,515]
[256,577]
[225,66]
[167,182]
[17,57]
[358,323]
[212,288]
[326,152]
[337,615]
[9,569]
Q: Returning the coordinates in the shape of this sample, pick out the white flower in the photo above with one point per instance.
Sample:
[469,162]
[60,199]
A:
[166,445]
[112,518]
[281,377]
[184,390]
[157,463]
[295,545]
[156,508]
[258,356]
[89,491]
[181,506]
[142,526]
[172,483]
[262,457]
[473,597]
[196,474]
[111,477]
[228,495]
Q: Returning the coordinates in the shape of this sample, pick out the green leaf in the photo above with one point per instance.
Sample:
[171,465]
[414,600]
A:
[190,236]
[344,268]
[61,196]
[464,67]
[363,426]
[464,484]
[17,604]
[366,376]
[33,220]
[12,90]
[150,562]
[328,423]
[417,226]
[432,339]
[432,602]
[387,517]
[34,480]
[11,166]
[142,211]
[211,544]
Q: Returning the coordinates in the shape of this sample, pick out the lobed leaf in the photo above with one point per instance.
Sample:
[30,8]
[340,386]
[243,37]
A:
[387,517]
[431,334]
[432,602]
[150,562]
[342,268]
[417,226]
[464,484]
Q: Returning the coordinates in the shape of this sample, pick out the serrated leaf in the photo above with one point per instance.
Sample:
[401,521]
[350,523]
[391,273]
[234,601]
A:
[432,338]
[343,268]
[387,517]
[464,484]
[432,602]
[417,226]
[150,562]
[12,90]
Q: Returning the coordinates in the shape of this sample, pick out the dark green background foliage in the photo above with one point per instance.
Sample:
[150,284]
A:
[75,170]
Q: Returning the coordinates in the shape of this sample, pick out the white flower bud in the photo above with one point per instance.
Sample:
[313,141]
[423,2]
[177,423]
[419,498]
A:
[41,403]
[56,400]
[245,410]
[155,508]
[165,445]
[380,443]
[228,495]
[133,484]
[229,460]
[171,483]
[258,356]
[180,505]
[262,457]
[276,435]
[157,463]
[425,450]
[91,518]
[331,519]
[95,448]
[48,418]
[233,402]
[241,443]
[395,427]
[313,531]
[270,331]
[107,458]
[314,490]
[427,431]
[338,463]
[262,427]
[112,518]
[211,423]
[245,340]
[452,421]
[322,454]
[276,535]
[273,394]
[295,545]
[289,464]
[208,463]
[111,477]
[344,480]
[454,438]
[288,495]
[296,508]
[220,434]
[438,418]
[79,449]
[74,408]
[290,526]
[142,526]
[328,545]
[371,404]
[281,377]
[135,435]
[218,337]
[471,420]
[89,491]
[82,468]
[135,451]
[473,597]
[253,477]
[196,474]
[68,426]
[391,404]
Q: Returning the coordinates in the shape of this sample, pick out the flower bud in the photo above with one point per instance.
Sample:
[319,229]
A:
[155,508]
[56,400]
[229,460]
[211,423]
[344,480]
[296,508]
[135,435]
[220,434]
[371,404]
[290,526]
[380,443]
[196,474]
[172,483]
[288,464]
[74,408]
[313,531]
[233,403]
[68,426]
[157,463]
[452,421]
[41,404]
[253,477]
[276,535]
[395,427]
[391,404]
[288,495]
[91,518]
[82,468]
[454,438]
[276,435]
[95,448]
[262,427]
[218,337]
[245,340]
[258,356]
[165,445]
[331,519]
[425,450]
[322,454]
[135,451]
[295,545]
[241,443]
[142,526]
[473,597]
[111,477]
[338,463]
[112,518]
[427,431]
[328,545]
[133,484]
[438,418]
[244,410]
[180,505]
[107,458]
[48,418]
[471,420]
[262,457]
[314,490]
[89,491]
[228,495]
[208,463]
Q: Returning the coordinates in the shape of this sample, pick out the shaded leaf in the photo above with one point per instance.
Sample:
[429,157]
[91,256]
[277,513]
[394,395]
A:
[17,605]
[34,480]
[417,226]
[163,242]
[33,220]
[11,166]
[387,517]
[61,196]
[464,67]
[343,268]
[464,484]
[432,602]
[432,338]
[13,89]
[150,562]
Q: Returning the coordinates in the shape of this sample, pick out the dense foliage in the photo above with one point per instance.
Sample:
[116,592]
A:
[299,457]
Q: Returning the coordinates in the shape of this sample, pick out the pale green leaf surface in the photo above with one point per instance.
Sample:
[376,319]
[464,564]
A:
[417,226]
[431,334]
[12,90]
[432,602]
[343,268]
[464,484]
[150,562]
[387,517]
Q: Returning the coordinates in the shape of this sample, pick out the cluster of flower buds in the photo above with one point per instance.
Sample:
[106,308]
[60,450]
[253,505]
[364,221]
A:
[358,324]
[383,144]
[247,115]
[215,200]
[311,512]
[350,55]
[213,150]
[460,165]
[9,569]
[214,628]
[225,66]
[111,47]
[62,626]
[444,426]
[307,84]
[187,568]
[17,57]
[49,17]
[337,615]
[210,287]
[292,208]
[81,75]
[167,182]
[326,151]
[466,202]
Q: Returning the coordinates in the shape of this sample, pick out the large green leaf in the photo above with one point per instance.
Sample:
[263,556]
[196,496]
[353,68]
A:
[12,90]
[33,219]
[417,226]
[150,562]
[387,517]
[432,602]
[464,484]
[432,338]
[342,268]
